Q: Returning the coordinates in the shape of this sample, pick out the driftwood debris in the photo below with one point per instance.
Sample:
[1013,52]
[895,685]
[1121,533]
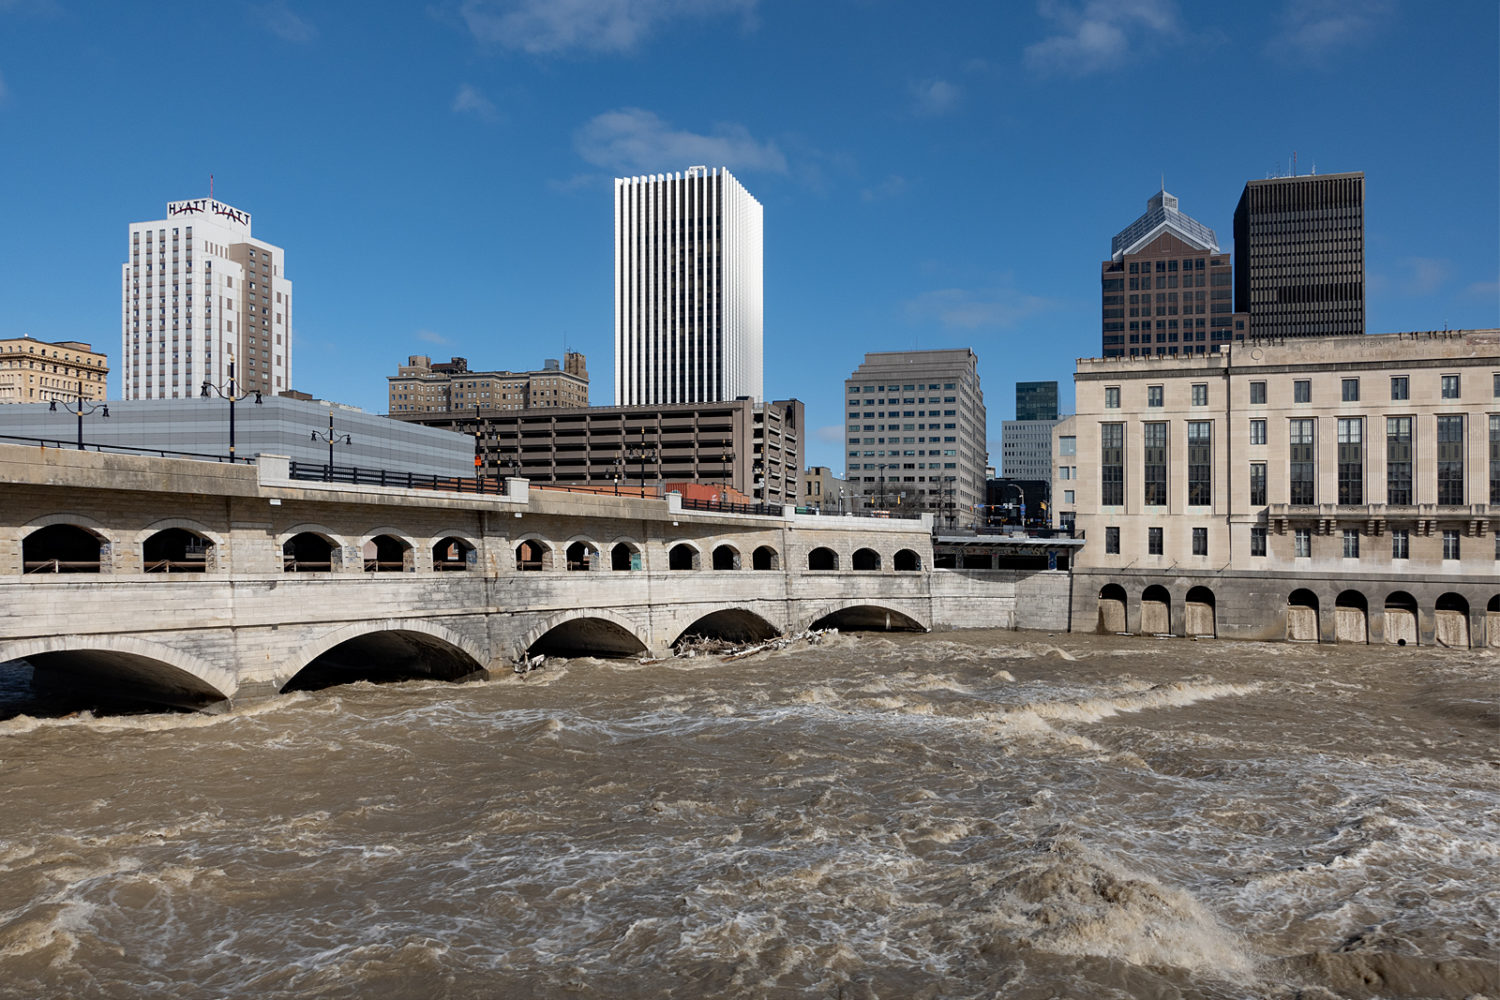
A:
[731,651]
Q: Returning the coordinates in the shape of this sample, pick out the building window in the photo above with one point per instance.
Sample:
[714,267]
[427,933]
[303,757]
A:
[1450,545]
[1400,544]
[1302,543]
[1153,541]
[1303,460]
[1067,445]
[1400,387]
[1200,541]
[1154,450]
[1450,387]
[1154,396]
[1351,543]
[1200,463]
[1257,432]
[1257,541]
[1257,394]
[1112,541]
[1111,397]
[1398,460]
[1450,459]
[1495,459]
[1257,484]
[1302,391]
[1351,460]
[1200,393]
[1068,496]
[1111,465]
[1350,387]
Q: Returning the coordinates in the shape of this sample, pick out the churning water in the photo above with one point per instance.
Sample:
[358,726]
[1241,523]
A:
[957,815]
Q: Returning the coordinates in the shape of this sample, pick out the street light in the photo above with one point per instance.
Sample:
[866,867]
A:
[82,407]
[232,394]
[1023,503]
[643,453]
[332,439]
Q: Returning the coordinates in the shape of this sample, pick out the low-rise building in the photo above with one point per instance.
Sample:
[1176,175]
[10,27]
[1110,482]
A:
[421,388]
[820,488]
[35,371]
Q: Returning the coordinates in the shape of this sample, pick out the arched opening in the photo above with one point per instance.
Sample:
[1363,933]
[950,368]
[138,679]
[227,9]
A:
[1198,615]
[1302,616]
[587,637]
[1351,617]
[906,561]
[822,558]
[453,555]
[1451,621]
[765,557]
[726,557]
[387,554]
[176,550]
[533,556]
[1492,622]
[307,552]
[383,658]
[1156,611]
[734,625]
[61,548]
[1401,619]
[682,556]
[107,681]
[624,557]
[868,618]
[580,556]
[1111,609]
[865,560]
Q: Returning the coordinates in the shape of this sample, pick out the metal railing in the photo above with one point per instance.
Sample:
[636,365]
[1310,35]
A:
[719,507]
[353,475]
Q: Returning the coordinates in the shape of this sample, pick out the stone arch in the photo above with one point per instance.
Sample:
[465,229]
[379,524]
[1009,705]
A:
[533,554]
[765,558]
[726,557]
[310,550]
[684,556]
[1492,622]
[865,560]
[626,555]
[1111,609]
[1199,613]
[387,551]
[586,631]
[581,554]
[822,558]
[142,670]
[178,550]
[906,561]
[730,624]
[1156,610]
[64,546]
[1302,616]
[1451,621]
[384,649]
[454,552]
[1351,617]
[1401,619]
[854,615]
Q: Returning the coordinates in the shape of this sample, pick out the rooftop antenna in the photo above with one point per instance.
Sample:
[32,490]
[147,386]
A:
[210,187]
[1294,163]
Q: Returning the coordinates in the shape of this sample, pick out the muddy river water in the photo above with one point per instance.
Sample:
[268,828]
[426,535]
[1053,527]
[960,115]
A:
[972,814]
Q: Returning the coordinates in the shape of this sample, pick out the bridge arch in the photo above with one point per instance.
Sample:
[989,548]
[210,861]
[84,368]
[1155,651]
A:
[906,561]
[533,553]
[312,550]
[387,550]
[684,555]
[867,616]
[726,556]
[398,648]
[584,632]
[626,554]
[731,624]
[822,558]
[144,671]
[865,560]
[65,545]
[765,557]
[450,551]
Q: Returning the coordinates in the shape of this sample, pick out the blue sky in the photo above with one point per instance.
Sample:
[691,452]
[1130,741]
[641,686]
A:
[933,175]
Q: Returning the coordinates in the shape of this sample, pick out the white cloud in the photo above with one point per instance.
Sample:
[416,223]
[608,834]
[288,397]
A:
[973,309]
[1099,34]
[830,433]
[470,100]
[935,97]
[4,93]
[1423,275]
[1484,289]
[888,188]
[1311,29]
[633,140]
[285,23]
[548,26]
[432,337]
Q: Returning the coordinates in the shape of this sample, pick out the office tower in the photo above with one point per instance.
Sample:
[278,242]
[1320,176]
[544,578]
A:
[688,300]
[421,388]
[1036,400]
[1166,288]
[1299,255]
[198,293]
[915,433]
[35,371]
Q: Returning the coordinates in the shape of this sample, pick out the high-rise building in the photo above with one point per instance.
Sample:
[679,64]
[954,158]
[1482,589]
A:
[1166,288]
[421,387]
[197,294]
[1299,255]
[34,371]
[915,433]
[1036,400]
[1026,449]
[688,289]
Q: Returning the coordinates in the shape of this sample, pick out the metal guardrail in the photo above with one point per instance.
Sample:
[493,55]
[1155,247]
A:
[353,475]
[71,444]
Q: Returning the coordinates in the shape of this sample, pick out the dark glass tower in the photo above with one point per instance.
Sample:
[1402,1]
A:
[1036,400]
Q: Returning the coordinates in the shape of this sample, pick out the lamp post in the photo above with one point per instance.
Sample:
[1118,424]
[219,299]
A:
[725,459]
[232,394]
[1023,503]
[82,407]
[332,439]
[643,452]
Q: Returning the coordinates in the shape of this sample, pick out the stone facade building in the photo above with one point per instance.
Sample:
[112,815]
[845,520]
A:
[420,388]
[820,488]
[35,371]
[1312,488]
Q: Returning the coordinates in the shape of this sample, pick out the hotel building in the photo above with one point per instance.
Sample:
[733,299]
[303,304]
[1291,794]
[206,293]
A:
[197,294]
[34,371]
[420,388]
[688,289]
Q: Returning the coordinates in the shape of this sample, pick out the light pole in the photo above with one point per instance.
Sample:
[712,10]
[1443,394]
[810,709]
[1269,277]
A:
[642,452]
[1023,503]
[332,439]
[232,394]
[81,407]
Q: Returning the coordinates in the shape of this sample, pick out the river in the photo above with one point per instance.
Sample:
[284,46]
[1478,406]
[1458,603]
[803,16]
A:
[969,814]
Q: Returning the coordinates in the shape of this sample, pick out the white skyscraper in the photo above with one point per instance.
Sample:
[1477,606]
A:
[197,293]
[688,289]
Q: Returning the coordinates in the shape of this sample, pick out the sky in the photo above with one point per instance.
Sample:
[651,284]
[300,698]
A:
[933,175]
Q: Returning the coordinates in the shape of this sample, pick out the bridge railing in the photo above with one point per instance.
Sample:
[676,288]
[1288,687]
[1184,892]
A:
[71,444]
[883,515]
[764,509]
[354,475]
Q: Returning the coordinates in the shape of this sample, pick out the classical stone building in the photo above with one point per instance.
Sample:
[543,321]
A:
[421,389]
[820,488]
[1312,488]
[35,371]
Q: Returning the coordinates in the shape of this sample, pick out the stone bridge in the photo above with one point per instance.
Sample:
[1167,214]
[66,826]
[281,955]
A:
[207,585]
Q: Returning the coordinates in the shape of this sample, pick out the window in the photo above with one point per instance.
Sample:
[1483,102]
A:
[1302,391]
[1200,541]
[1155,469]
[1257,394]
[1257,432]
[1351,543]
[1200,463]
[1257,541]
[1067,444]
[1302,543]
[1350,388]
[1398,460]
[1257,484]
[1495,459]
[1450,387]
[1450,459]
[1068,496]
[1351,460]
[1303,454]
[1200,393]
[1400,544]
[1450,545]
[1154,395]
[1497,395]
[1112,541]
[1400,387]
[1111,464]
[1154,541]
